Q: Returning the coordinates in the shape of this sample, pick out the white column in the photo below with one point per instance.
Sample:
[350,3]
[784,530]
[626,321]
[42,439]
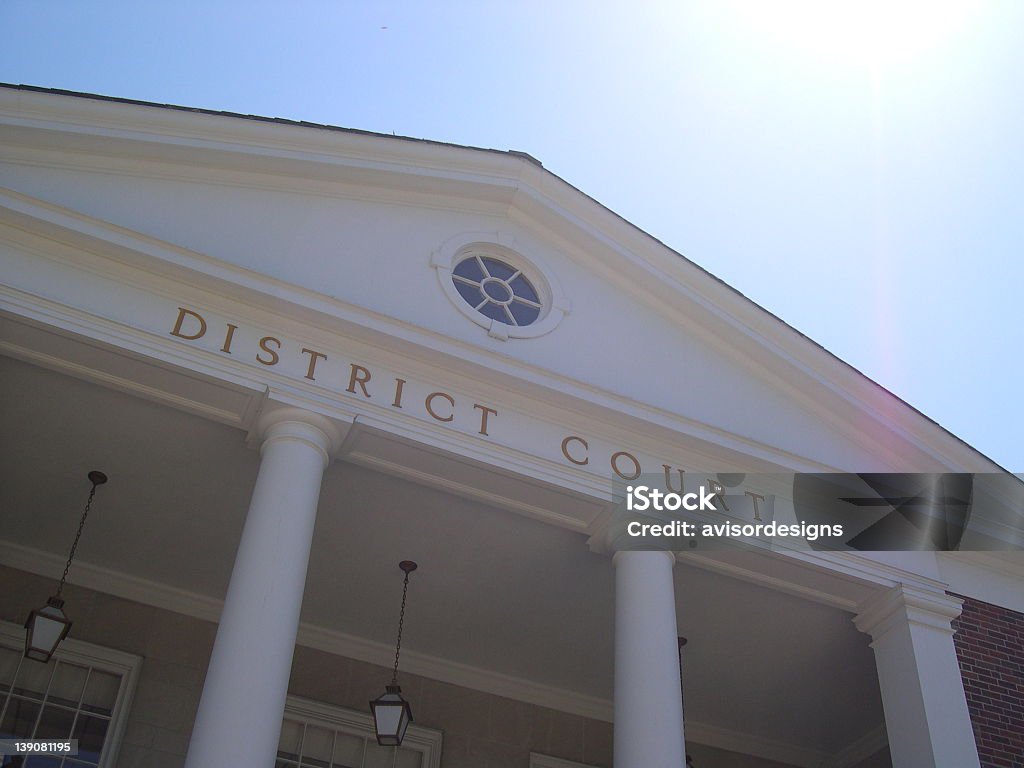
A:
[648,701]
[926,713]
[240,711]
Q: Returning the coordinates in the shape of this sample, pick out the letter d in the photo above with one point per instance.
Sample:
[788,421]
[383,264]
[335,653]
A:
[181,319]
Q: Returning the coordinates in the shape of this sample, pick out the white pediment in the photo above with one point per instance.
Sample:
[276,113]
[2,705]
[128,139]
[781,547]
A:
[309,234]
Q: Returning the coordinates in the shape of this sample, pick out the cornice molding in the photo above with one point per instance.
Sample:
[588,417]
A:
[905,604]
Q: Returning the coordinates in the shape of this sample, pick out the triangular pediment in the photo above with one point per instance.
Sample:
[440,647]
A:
[360,234]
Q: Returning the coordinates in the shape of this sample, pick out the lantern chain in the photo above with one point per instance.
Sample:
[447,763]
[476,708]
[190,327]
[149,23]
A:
[401,622]
[74,546]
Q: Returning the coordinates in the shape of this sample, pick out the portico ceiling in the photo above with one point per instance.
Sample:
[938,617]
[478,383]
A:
[496,591]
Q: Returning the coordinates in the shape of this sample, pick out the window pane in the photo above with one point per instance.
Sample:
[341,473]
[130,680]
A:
[378,756]
[316,746]
[101,692]
[41,761]
[470,293]
[499,269]
[66,686]
[33,678]
[348,751]
[470,270]
[495,312]
[408,758]
[20,718]
[8,666]
[291,735]
[55,723]
[524,290]
[523,313]
[90,732]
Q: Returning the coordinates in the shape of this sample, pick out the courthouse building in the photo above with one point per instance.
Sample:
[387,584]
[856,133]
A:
[303,354]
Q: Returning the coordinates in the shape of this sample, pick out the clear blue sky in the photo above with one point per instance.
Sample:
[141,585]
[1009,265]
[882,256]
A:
[857,172]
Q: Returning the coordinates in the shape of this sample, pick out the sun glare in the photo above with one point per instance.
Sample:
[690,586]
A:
[872,33]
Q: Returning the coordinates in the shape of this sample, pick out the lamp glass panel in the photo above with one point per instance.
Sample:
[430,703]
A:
[389,717]
[45,632]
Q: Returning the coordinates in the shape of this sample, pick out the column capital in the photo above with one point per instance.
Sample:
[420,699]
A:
[291,423]
[907,604]
[611,535]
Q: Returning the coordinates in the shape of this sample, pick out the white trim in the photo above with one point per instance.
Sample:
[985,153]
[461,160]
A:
[126,665]
[427,741]
[538,760]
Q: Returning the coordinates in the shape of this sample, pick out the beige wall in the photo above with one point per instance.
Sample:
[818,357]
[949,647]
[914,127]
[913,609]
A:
[480,730]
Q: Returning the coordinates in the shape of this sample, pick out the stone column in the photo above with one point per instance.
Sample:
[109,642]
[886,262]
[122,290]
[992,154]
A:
[648,700]
[922,692]
[243,699]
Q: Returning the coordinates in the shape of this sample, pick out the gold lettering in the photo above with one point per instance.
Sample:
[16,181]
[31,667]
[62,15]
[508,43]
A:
[227,339]
[399,384]
[631,457]
[717,489]
[565,450]
[430,407]
[484,413]
[668,479]
[755,497]
[313,357]
[273,355]
[358,376]
[181,319]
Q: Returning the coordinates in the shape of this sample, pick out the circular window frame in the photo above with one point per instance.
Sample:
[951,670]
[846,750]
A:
[554,305]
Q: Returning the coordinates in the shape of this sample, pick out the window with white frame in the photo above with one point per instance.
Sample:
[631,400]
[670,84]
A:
[322,736]
[82,693]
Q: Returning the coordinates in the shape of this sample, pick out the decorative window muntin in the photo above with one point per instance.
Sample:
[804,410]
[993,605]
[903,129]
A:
[488,280]
[497,290]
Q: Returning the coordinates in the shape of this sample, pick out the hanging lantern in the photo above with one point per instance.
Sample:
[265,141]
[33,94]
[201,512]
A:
[46,627]
[44,630]
[391,713]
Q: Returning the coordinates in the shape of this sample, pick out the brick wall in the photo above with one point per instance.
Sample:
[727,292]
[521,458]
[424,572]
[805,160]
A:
[990,647]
